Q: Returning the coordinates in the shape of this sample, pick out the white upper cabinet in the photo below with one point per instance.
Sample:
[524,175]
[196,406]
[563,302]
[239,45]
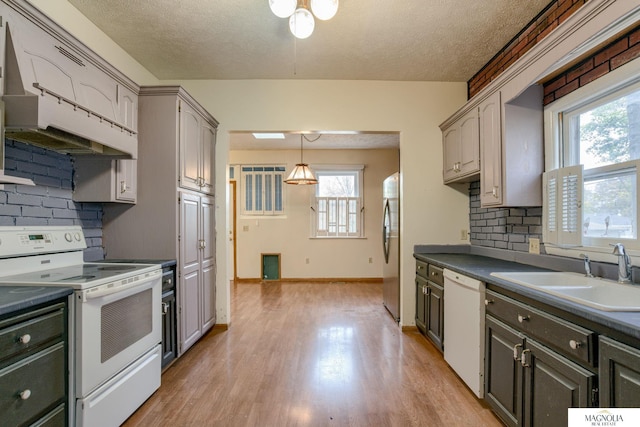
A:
[461,148]
[491,151]
[511,144]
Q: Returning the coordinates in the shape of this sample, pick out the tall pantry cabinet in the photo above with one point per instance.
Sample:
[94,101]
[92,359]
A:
[174,214]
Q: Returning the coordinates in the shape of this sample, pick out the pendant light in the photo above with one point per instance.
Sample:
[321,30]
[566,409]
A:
[302,173]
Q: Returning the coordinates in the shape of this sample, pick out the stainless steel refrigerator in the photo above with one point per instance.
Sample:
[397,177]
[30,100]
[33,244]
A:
[391,245]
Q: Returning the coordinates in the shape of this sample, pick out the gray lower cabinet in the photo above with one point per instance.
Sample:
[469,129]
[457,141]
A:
[430,302]
[503,371]
[536,365]
[34,366]
[422,287]
[619,375]
[435,315]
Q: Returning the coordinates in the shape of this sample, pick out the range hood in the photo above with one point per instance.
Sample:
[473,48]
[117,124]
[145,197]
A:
[61,96]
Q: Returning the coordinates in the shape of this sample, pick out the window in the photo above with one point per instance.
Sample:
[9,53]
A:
[337,204]
[595,149]
[262,190]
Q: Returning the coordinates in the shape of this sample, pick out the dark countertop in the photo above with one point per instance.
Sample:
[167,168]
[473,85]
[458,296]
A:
[14,298]
[481,267]
[164,263]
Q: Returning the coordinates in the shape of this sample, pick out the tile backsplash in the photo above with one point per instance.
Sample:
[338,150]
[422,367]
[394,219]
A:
[50,201]
[502,228]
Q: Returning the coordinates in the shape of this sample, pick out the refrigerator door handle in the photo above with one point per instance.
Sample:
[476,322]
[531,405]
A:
[386,230]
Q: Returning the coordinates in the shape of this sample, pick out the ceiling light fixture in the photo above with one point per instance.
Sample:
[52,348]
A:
[301,22]
[302,173]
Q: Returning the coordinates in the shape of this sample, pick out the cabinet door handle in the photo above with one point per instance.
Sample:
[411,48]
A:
[522,318]
[25,339]
[516,355]
[123,186]
[523,358]
[575,344]
[165,308]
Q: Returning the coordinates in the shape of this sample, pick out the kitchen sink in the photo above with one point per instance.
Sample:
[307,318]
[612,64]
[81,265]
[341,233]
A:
[594,292]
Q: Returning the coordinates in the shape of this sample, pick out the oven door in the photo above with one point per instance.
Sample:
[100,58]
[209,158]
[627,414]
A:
[113,328]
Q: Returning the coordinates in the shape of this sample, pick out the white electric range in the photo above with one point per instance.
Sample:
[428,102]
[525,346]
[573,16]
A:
[115,318]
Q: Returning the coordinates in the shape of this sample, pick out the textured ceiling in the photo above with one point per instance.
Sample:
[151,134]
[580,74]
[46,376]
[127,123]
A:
[420,40]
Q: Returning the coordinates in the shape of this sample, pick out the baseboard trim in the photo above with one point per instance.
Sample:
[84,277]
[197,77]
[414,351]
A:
[314,280]
[409,328]
[220,327]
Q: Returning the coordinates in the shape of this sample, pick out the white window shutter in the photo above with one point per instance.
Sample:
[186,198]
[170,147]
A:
[562,191]
[549,215]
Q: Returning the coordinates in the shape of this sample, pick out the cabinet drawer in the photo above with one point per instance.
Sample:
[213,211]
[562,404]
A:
[33,330]
[573,341]
[31,386]
[435,275]
[422,269]
[55,418]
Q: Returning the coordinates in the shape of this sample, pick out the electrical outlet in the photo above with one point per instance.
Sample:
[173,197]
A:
[245,228]
[464,234]
[534,245]
[370,260]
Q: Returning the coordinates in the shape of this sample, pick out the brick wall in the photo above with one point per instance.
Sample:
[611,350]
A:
[511,228]
[553,15]
[50,201]
[502,228]
[617,53]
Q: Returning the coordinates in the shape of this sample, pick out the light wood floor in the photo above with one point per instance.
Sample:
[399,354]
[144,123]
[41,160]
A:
[311,354]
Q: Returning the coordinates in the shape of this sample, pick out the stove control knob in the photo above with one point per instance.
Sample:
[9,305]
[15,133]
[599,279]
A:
[67,237]
[77,237]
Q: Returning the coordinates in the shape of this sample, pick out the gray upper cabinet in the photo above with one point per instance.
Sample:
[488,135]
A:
[99,179]
[197,142]
[461,149]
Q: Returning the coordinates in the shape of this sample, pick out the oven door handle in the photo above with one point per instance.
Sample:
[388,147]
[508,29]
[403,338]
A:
[102,291]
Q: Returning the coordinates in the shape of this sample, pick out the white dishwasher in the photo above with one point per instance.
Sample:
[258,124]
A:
[464,328]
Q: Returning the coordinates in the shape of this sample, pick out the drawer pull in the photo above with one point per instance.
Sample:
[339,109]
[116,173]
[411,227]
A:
[575,344]
[516,356]
[24,395]
[522,318]
[25,339]
[488,301]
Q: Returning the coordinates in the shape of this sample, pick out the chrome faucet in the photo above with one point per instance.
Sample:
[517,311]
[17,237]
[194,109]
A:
[624,263]
[587,265]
